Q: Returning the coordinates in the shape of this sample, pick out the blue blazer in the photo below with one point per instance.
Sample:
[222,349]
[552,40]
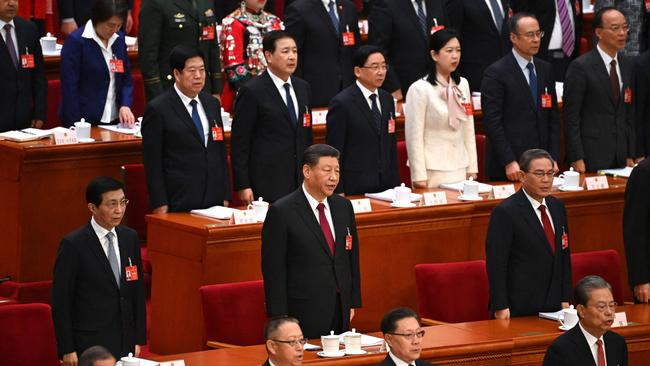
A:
[85,78]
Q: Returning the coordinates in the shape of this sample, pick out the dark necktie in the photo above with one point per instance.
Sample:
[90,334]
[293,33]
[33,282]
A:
[10,45]
[568,39]
[376,114]
[532,81]
[332,13]
[422,17]
[325,226]
[290,106]
[601,353]
[498,17]
[112,258]
[613,78]
[548,228]
[197,120]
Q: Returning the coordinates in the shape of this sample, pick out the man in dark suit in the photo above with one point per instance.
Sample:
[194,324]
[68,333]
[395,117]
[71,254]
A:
[636,226]
[401,29]
[361,125]
[642,106]
[591,342]
[75,13]
[326,36]
[97,290]
[527,246]
[183,144]
[23,95]
[483,31]
[599,100]
[561,22]
[270,131]
[284,342]
[310,250]
[519,103]
[403,333]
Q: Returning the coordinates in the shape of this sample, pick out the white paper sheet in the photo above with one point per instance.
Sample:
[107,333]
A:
[215,212]
[623,172]
[482,187]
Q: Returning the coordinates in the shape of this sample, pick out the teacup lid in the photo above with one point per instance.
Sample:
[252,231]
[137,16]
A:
[129,358]
[331,335]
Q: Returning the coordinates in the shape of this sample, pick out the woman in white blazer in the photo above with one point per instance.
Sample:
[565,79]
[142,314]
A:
[439,123]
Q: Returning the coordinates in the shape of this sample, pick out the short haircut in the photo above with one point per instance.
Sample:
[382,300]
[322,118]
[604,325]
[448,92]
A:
[598,17]
[271,38]
[362,53]
[103,10]
[274,323]
[437,41]
[94,353]
[389,322]
[313,153]
[180,54]
[513,22]
[100,185]
[586,285]
[529,155]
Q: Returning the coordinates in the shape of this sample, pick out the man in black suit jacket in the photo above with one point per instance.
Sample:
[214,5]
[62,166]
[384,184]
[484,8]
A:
[599,117]
[642,105]
[268,140]
[483,34]
[402,332]
[284,342]
[591,342]
[553,47]
[184,152]
[310,250]
[394,26]
[527,252]
[324,57]
[519,105]
[365,137]
[23,95]
[636,234]
[97,290]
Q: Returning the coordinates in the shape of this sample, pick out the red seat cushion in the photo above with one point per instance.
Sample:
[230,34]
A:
[53,100]
[480,157]
[603,263]
[402,158]
[27,335]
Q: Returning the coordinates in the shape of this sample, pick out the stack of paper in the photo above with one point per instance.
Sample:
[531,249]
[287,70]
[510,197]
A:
[216,212]
[143,362]
[366,340]
[482,187]
[125,130]
[389,195]
[623,172]
[552,316]
[29,134]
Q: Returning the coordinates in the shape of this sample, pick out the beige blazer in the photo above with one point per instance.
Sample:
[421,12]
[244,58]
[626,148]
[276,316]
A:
[431,143]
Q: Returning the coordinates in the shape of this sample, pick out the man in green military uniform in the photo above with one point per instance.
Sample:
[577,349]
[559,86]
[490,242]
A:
[168,23]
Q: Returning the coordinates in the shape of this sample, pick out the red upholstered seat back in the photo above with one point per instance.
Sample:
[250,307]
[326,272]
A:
[402,158]
[235,201]
[603,263]
[28,292]
[138,194]
[443,289]
[139,101]
[27,335]
[480,157]
[234,312]
[53,100]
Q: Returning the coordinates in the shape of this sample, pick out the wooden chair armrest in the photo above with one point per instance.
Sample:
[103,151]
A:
[427,321]
[215,344]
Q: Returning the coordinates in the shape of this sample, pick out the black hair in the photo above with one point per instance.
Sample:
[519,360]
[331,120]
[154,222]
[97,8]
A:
[313,153]
[529,155]
[268,44]
[586,285]
[389,321]
[598,17]
[180,54]
[362,53]
[100,185]
[513,22]
[103,10]
[94,353]
[274,323]
[437,41]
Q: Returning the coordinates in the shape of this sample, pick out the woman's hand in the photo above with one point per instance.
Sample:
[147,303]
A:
[126,117]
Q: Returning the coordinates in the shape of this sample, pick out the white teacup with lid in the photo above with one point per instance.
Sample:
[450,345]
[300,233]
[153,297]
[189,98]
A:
[48,43]
[571,178]
[402,194]
[82,128]
[130,360]
[352,342]
[570,318]
[330,344]
[260,207]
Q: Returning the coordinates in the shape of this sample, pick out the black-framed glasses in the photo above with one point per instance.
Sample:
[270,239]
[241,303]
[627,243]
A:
[292,342]
[376,67]
[618,27]
[539,174]
[410,336]
[114,203]
[530,35]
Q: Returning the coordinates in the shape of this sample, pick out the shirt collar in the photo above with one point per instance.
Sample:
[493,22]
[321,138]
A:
[2,24]
[279,83]
[184,98]
[397,361]
[327,4]
[521,61]
[99,230]
[591,340]
[533,201]
[313,203]
[606,58]
[271,362]
[366,92]
[89,32]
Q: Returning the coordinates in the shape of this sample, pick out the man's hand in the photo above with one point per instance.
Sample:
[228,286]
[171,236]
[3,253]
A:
[37,123]
[642,292]
[512,171]
[246,196]
[397,94]
[502,314]
[639,159]
[129,24]
[420,184]
[351,315]
[629,162]
[161,209]
[69,359]
[579,166]
[126,117]
[68,27]
[137,351]
[564,305]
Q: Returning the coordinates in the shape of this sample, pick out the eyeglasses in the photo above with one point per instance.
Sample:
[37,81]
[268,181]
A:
[376,67]
[601,306]
[293,342]
[114,203]
[531,35]
[540,174]
[410,336]
[619,27]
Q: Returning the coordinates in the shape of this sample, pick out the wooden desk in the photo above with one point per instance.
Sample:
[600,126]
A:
[42,188]
[519,341]
[188,251]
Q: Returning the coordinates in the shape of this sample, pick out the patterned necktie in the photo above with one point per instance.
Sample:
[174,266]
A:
[376,114]
[325,226]
[290,106]
[332,14]
[422,17]
[197,120]
[498,17]
[613,78]
[568,39]
[532,81]
[112,258]
[548,228]
[10,44]
[601,353]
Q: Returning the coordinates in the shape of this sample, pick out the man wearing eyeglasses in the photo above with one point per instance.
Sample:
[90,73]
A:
[519,103]
[284,342]
[527,251]
[591,342]
[361,125]
[599,99]
[403,334]
[97,290]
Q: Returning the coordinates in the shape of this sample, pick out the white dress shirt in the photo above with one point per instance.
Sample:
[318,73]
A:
[314,203]
[555,43]
[103,240]
[607,60]
[593,347]
[13,36]
[399,362]
[367,93]
[522,62]
[535,203]
[204,118]
[326,3]
[492,11]
[416,7]
[279,84]
[110,107]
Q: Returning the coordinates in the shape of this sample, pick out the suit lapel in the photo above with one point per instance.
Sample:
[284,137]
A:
[309,219]
[362,104]
[302,101]
[410,12]
[530,217]
[339,227]
[558,224]
[178,107]
[600,71]
[582,347]
[125,253]
[487,14]
[613,357]
[521,80]
[98,251]
[275,94]
[319,9]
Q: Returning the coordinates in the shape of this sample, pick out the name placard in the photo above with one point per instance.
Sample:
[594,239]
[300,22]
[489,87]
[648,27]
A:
[434,198]
[361,205]
[503,191]
[66,137]
[319,116]
[243,217]
[597,182]
[620,320]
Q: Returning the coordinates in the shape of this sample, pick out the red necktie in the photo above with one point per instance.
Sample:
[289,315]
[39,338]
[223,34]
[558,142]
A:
[548,228]
[325,226]
[601,353]
[613,78]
